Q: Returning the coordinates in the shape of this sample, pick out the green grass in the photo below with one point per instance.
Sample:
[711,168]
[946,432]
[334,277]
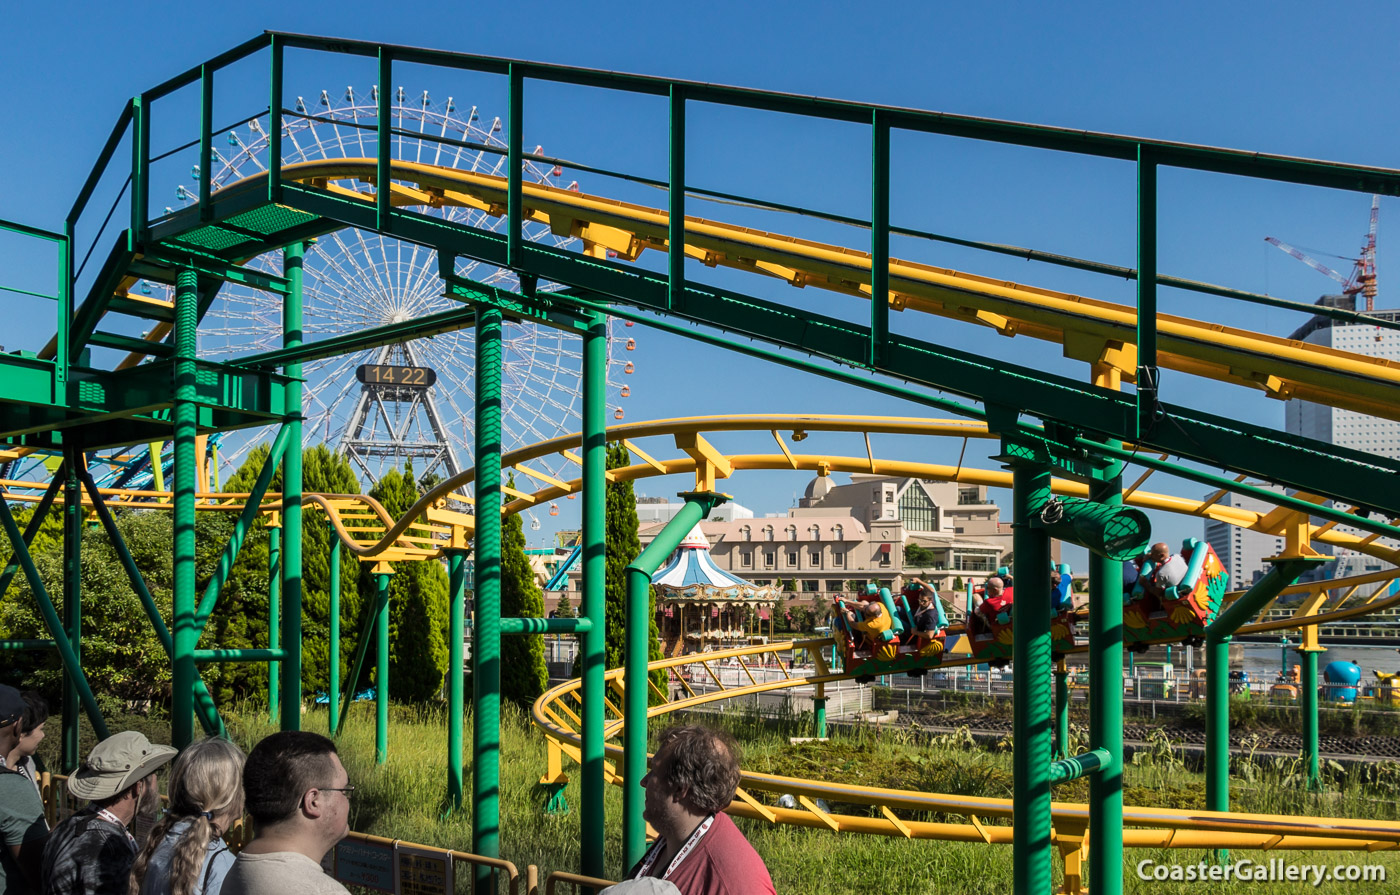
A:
[404,799]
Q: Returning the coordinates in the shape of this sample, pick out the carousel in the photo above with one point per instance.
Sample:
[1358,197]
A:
[700,606]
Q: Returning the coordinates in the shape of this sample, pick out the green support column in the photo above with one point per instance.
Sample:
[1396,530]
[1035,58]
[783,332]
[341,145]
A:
[291,496]
[1061,710]
[71,755]
[592,604]
[381,672]
[1106,704]
[486,636]
[185,473]
[456,671]
[1033,711]
[274,613]
[819,712]
[1308,703]
[638,641]
[333,659]
[1284,572]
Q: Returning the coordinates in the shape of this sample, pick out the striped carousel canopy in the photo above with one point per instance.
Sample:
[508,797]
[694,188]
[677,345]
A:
[693,575]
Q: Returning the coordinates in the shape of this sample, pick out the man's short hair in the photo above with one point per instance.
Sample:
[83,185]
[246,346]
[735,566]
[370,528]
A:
[36,710]
[704,763]
[280,770]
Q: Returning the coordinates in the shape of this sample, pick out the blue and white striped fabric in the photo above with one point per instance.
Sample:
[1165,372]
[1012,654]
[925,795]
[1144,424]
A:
[692,574]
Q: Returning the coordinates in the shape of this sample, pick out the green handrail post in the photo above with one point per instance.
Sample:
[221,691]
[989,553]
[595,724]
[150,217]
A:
[381,672]
[140,170]
[486,635]
[1106,701]
[879,236]
[1285,571]
[72,597]
[529,625]
[333,657]
[274,613]
[206,139]
[635,695]
[69,659]
[1148,377]
[185,416]
[292,258]
[274,120]
[65,320]
[819,712]
[245,521]
[205,709]
[592,602]
[383,192]
[1032,850]
[1085,764]
[456,670]
[675,201]
[515,206]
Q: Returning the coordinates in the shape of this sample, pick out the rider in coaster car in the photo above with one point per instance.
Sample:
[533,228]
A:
[874,624]
[993,605]
[929,618]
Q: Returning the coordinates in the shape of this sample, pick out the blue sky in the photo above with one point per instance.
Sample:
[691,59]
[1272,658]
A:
[1288,78]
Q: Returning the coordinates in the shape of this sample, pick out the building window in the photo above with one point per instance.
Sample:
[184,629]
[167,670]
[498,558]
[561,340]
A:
[836,586]
[884,558]
[792,559]
[769,559]
[889,497]
[747,533]
[746,558]
[816,559]
[767,532]
[816,532]
[811,587]
[792,532]
[838,532]
[918,512]
[838,560]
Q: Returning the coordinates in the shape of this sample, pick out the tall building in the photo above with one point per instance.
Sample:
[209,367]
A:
[1241,550]
[1347,428]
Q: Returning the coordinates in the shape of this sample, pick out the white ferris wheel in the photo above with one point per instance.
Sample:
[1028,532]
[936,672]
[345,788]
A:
[354,280]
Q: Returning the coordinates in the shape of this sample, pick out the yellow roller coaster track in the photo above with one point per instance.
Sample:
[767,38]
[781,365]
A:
[1097,332]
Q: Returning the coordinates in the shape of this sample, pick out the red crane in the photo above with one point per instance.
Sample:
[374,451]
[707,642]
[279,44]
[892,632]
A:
[1363,274]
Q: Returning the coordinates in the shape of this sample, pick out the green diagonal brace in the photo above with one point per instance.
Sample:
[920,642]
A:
[52,621]
[361,647]
[40,512]
[205,709]
[240,530]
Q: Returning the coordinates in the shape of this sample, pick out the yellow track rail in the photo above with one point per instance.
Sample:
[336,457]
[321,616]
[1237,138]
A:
[1097,332]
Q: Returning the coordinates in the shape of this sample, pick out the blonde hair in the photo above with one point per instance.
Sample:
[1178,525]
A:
[206,788]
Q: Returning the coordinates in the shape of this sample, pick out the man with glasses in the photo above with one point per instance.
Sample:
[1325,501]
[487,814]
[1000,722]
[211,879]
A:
[298,794]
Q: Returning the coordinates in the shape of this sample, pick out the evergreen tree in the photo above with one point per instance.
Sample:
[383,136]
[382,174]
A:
[523,673]
[417,605]
[240,619]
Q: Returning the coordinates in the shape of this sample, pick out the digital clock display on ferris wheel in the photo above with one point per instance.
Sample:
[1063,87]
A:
[394,374]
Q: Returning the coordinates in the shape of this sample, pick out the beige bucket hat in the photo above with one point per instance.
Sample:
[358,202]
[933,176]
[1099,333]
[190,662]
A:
[117,763]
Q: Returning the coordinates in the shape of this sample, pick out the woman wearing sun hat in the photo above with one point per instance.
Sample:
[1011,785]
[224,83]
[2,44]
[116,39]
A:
[91,852]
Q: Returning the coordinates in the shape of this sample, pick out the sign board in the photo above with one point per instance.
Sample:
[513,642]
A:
[368,864]
[395,374]
[423,871]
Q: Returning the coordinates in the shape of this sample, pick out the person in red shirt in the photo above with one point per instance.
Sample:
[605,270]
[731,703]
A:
[692,779]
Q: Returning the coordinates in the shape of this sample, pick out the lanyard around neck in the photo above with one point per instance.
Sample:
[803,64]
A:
[659,847]
[113,819]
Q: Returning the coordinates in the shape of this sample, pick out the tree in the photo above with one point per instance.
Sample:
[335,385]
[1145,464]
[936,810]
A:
[523,674]
[417,604]
[240,619]
[958,584]
[916,556]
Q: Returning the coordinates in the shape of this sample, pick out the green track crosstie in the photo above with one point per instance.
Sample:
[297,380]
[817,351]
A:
[58,399]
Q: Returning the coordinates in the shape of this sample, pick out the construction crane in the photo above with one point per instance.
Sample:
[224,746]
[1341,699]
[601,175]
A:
[1363,274]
